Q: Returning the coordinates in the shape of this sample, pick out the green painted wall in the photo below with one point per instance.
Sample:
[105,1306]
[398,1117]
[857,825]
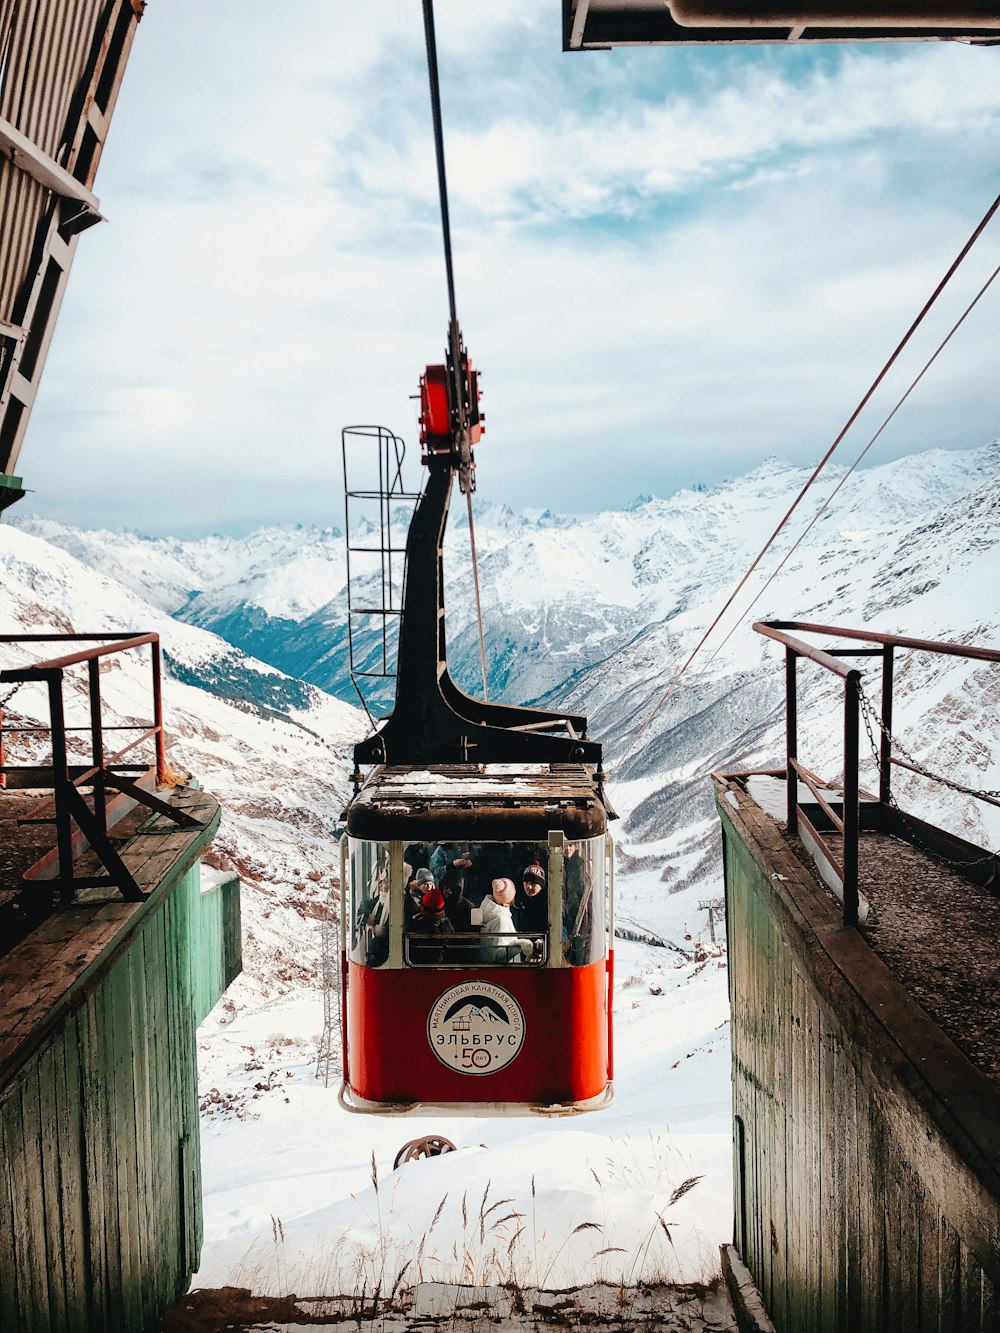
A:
[100,1205]
[865,1201]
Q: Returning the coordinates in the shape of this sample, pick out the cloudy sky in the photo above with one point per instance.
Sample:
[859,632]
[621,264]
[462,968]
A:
[669,265]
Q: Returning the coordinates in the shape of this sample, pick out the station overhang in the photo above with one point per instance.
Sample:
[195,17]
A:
[590,25]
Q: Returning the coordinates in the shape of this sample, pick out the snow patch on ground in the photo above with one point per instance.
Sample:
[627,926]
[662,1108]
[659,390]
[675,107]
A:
[301,1196]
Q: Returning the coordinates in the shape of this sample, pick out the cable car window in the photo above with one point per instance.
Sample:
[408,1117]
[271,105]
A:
[369,902]
[584,901]
[473,904]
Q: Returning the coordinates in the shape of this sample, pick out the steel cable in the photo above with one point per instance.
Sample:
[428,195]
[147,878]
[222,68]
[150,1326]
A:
[820,465]
[833,494]
[455,337]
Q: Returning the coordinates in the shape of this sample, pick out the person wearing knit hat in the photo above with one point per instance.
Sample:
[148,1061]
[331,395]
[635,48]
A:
[498,941]
[415,886]
[503,891]
[431,922]
[531,911]
[433,903]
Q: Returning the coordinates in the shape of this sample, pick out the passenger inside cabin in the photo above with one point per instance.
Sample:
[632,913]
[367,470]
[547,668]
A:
[426,946]
[531,910]
[458,909]
[421,882]
[449,856]
[371,922]
[577,906]
[498,941]
[417,855]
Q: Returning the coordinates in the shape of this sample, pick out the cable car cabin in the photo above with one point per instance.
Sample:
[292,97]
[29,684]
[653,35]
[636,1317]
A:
[476,896]
[469,986]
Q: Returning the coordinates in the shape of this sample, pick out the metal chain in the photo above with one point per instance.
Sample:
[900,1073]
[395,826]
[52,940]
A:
[10,694]
[870,714]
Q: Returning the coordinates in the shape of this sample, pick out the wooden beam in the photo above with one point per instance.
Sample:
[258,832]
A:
[579,23]
[27,156]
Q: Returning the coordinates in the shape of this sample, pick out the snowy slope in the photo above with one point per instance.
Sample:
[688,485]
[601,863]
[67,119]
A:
[274,751]
[560,594]
[598,613]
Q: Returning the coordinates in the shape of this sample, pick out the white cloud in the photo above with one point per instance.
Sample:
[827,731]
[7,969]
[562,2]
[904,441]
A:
[661,284]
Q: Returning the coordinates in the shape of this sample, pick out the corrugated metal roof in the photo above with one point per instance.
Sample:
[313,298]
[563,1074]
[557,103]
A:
[61,63]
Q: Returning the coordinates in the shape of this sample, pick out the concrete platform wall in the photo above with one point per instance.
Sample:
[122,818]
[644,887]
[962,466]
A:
[866,1146]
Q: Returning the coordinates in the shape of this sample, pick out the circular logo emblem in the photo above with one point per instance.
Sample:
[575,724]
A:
[476,1028]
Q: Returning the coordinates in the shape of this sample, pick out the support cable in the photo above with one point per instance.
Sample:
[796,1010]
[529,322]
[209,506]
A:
[454,334]
[833,494]
[822,463]
[479,605]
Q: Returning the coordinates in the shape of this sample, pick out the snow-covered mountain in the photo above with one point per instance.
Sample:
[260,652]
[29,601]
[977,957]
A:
[272,749]
[560,594]
[599,613]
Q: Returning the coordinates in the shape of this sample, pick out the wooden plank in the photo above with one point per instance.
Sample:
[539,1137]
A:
[69,1097]
[991,1307]
[181,1055]
[9,1283]
[29,1209]
[779,977]
[113,1178]
[814,1138]
[854,1166]
[99,1182]
[42,971]
[123,1096]
[797,1174]
[48,1177]
[949,1267]
[908,1253]
[970,1291]
[928,1293]
[146,1202]
[828,1181]
[164,1114]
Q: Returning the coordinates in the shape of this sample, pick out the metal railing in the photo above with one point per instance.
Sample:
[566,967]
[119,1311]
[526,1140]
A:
[80,825]
[847,821]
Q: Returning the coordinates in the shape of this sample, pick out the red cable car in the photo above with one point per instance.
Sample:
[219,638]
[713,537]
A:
[477,871]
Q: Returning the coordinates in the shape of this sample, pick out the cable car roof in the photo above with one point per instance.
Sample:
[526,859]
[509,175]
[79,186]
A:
[479,802]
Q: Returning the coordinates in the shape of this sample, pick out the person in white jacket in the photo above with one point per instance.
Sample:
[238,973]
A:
[498,941]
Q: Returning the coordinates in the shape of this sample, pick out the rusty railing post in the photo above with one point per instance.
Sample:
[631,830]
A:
[885,747]
[60,781]
[161,758]
[852,686]
[791,744]
[97,742]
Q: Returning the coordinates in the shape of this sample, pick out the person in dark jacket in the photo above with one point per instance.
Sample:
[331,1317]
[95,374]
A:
[449,856]
[413,895]
[430,926]
[458,909]
[531,911]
